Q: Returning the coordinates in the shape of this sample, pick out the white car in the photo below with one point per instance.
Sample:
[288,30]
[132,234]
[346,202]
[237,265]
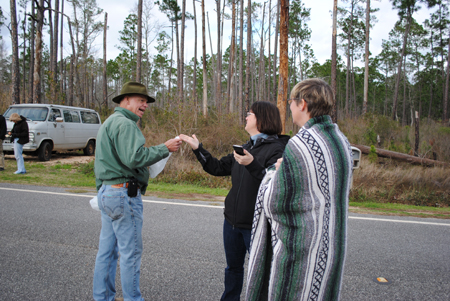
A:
[55,128]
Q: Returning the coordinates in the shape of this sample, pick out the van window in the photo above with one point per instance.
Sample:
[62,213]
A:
[89,117]
[31,113]
[71,116]
[54,114]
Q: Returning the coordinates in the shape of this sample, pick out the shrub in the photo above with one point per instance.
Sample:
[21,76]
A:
[373,157]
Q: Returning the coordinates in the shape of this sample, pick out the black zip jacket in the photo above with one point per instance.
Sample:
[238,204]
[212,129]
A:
[20,130]
[2,127]
[245,180]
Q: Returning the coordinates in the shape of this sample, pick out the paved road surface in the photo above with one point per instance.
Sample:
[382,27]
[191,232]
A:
[49,238]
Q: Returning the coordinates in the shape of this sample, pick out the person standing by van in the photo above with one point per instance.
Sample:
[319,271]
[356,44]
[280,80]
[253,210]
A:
[19,136]
[2,137]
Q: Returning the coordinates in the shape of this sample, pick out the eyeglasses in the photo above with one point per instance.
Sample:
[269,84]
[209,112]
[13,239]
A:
[250,113]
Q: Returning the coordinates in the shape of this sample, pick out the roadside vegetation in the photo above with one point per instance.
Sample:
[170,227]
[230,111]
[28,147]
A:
[380,186]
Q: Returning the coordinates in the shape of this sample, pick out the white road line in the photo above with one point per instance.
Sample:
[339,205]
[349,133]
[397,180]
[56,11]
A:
[397,221]
[220,207]
[144,199]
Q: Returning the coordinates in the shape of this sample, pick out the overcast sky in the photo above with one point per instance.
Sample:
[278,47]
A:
[320,24]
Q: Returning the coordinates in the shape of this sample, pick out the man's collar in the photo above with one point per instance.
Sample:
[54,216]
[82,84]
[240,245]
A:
[127,113]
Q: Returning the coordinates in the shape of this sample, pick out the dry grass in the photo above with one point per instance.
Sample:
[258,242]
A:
[392,182]
[434,138]
[383,182]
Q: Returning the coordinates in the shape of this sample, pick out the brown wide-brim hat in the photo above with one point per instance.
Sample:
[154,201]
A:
[133,88]
[14,117]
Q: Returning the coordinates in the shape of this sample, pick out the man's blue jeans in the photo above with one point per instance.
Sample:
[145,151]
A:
[236,242]
[121,232]
[18,149]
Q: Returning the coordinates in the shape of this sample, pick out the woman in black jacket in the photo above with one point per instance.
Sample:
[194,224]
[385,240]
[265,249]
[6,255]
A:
[264,148]
[19,135]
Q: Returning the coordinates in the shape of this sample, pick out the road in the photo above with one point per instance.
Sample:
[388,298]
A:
[49,239]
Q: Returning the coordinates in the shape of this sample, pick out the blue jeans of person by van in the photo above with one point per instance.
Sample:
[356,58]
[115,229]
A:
[2,156]
[121,233]
[18,150]
[236,242]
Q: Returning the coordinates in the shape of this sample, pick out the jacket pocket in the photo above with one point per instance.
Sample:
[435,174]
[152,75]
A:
[113,203]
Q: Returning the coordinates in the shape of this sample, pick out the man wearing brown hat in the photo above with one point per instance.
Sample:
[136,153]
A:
[121,172]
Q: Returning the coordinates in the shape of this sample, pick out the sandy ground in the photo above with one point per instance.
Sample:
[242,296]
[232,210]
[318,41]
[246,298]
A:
[57,158]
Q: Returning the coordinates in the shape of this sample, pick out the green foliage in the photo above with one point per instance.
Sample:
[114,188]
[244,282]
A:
[373,157]
[370,136]
[444,130]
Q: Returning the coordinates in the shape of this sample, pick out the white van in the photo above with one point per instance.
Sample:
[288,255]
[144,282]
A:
[55,128]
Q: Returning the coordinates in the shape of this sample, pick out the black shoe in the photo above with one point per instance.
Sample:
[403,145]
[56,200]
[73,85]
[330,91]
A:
[1,169]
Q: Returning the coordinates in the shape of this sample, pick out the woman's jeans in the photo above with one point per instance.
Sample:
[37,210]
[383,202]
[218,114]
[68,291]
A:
[236,242]
[18,149]
[121,233]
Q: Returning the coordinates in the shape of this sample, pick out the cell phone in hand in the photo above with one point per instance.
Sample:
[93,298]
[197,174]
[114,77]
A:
[239,150]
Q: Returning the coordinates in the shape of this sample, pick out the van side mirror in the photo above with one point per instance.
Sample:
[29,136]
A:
[356,153]
[59,119]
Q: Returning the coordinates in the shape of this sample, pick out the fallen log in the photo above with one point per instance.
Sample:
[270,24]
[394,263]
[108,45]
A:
[401,157]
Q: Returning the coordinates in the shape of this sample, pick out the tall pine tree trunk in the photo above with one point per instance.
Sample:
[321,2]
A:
[275,53]
[249,51]
[447,79]
[230,84]
[32,54]
[38,53]
[61,45]
[366,71]
[241,63]
[399,70]
[261,59]
[219,58]
[55,51]
[24,75]
[205,84]
[334,61]
[15,74]
[181,65]
[139,43]
[284,62]
[194,91]
[104,82]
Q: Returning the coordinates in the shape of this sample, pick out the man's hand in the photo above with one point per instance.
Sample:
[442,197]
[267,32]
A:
[245,160]
[192,141]
[173,144]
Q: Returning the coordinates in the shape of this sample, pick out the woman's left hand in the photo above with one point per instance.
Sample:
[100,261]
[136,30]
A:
[245,160]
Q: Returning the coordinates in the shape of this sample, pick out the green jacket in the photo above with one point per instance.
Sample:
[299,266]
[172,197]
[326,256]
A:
[120,153]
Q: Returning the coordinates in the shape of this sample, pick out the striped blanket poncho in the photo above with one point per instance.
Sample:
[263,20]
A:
[300,224]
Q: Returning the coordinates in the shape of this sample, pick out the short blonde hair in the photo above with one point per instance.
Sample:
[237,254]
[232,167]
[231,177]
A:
[14,117]
[317,94]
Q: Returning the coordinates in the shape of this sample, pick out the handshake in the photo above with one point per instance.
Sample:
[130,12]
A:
[174,144]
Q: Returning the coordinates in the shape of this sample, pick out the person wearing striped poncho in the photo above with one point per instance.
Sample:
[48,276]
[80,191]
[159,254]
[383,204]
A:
[299,232]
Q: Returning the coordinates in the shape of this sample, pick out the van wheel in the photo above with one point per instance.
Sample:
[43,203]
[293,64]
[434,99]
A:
[45,151]
[89,150]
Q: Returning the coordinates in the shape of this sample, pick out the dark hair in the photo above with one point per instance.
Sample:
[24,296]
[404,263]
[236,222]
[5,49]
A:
[268,120]
[317,94]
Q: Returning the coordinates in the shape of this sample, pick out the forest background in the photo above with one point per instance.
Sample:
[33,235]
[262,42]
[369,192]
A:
[205,87]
